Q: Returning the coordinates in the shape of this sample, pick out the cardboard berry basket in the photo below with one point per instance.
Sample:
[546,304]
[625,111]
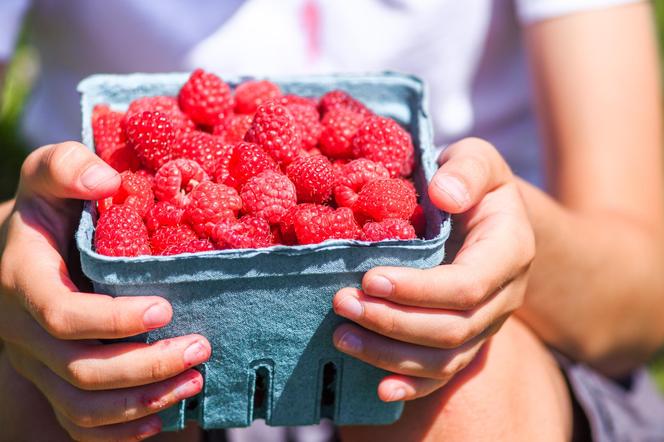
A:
[267,312]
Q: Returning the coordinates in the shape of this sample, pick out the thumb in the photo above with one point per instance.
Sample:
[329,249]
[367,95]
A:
[469,170]
[67,171]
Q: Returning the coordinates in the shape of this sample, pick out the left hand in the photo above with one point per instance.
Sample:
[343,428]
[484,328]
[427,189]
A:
[427,325]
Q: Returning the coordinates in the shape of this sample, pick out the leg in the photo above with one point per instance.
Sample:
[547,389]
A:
[512,391]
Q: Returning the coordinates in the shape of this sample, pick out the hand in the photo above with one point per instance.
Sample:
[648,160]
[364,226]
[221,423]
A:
[50,329]
[427,325]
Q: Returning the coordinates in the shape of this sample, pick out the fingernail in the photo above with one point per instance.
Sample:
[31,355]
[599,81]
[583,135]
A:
[379,286]
[454,188]
[156,316]
[97,174]
[195,354]
[398,394]
[350,308]
[188,389]
[149,428]
[350,342]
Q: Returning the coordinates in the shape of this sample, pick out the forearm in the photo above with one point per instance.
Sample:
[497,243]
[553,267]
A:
[596,286]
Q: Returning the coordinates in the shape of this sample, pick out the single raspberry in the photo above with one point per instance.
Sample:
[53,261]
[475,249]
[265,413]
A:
[386,198]
[193,246]
[248,160]
[339,128]
[175,179]
[352,176]
[419,221]
[135,191]
[313,178]
[391,228]
[337,99]
[338,224]
[167,236]
[120,232]
[233,129]
[211,203]
[111,141]
[202,147]
[384,141]
[268,195]
[163,213]
[307,119]
[206,98]
[167,106]
[152,136]
[305,211]
[275,130]
[251,94]
[249,232]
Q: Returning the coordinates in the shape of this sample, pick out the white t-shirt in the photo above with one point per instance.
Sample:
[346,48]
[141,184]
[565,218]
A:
[468,51]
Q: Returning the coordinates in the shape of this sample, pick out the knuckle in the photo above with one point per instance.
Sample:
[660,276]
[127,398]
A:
[79,413]
[451,368]
[455,336]
[158,369]
[81,375]
[471,293]
[54,321]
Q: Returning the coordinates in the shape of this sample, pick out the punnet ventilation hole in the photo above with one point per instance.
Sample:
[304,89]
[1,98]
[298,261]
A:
[261,389]
[328,395]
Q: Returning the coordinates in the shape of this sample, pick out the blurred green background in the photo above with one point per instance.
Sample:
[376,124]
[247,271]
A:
[19,78]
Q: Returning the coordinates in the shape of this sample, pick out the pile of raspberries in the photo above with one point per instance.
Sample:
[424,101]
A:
[216,168]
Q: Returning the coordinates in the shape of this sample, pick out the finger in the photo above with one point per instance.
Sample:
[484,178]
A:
[129,432]
[469,169]
[406,388]
[67,171]
[401,357]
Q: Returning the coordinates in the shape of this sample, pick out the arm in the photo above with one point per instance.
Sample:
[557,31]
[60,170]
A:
[596,288]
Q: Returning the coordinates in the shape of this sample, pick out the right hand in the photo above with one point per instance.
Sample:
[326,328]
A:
[51,330]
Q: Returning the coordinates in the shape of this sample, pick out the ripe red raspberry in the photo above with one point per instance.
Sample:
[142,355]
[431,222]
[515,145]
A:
[120,232]
[152,136]
[313,178]
[167,236]
[211,203]
[202,147]
[168,106]
[110,140]
[392,228]
[339,128]
[163,213]
[135,191]
[386,198]
[307,119]
[268,195]
[337,99]
[206,98]
[175,179]
[193,246]
[384,141]
[233,129]
[249,232]
[275,130]
[337,224]
[305,211]
[251,94]
[247,160]
[352,176]
[419,221]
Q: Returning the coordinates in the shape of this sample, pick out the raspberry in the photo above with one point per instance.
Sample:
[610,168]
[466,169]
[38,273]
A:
[352,176]
[233,129]
[268,195]
[339,128]
[391,228]
[288,99]
[337,224]
[135,191]
[211,203]
[206,98]
[251,94]
[110,140]
[419,221]
[120,232]
[275,130]
[193,246]
[313,178]
[175,179]
[168,106]
[248,160]
[337,99]
[163,213]
[204,148]
[167,236]
[386,198]
[384,141]
[306,211]
[151,135]
[307,119]
[249,232]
